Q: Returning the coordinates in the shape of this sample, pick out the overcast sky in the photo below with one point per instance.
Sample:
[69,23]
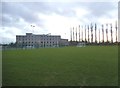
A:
[52,17]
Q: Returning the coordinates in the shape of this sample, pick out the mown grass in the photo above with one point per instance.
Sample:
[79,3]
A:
[70,66]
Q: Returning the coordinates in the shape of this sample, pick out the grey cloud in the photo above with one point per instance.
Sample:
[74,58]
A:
[18,10]
[100,8]
[29,10]
[97,9]
[64,9]
[10,21]
[51,7]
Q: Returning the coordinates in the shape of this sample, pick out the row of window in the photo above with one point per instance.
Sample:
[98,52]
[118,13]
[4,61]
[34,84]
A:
[38,45]
[40,42]
[52,37]
[35,39]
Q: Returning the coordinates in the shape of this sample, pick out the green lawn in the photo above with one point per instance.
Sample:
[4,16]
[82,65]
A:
[70,66]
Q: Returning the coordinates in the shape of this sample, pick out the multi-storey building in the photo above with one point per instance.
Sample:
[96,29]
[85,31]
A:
[32,40]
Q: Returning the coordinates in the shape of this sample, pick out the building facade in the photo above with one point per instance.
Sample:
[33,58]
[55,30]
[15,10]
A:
[64,42]
[32,40]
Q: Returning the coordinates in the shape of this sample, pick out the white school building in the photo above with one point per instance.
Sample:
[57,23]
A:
[32,40]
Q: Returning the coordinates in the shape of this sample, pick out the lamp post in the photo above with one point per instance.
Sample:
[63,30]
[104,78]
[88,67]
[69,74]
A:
[103,33]
[99,35]
[111,34]
[91,33]
[79,33]
[116,30]
[88,33]
[76,34]
[107,32]
[85,33]
[73,33]
[95,33]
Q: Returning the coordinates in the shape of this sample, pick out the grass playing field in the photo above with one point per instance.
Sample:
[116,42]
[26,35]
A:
[70,66]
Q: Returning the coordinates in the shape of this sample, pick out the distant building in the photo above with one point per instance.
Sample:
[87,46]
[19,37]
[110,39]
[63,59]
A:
[64,42]
[81,44]
[32,40]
